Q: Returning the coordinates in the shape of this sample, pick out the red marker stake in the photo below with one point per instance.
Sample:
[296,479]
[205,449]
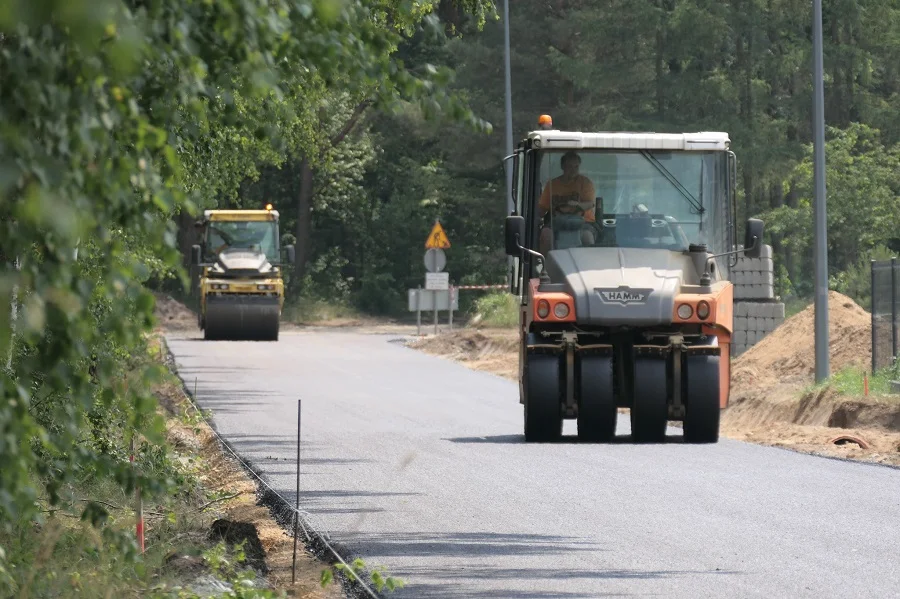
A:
[139,525]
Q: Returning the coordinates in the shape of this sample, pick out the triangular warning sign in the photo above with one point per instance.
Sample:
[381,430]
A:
[437,238]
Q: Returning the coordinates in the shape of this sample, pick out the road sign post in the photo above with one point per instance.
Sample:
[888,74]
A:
[452,292]
[435,300]
[419,310]
[437,293]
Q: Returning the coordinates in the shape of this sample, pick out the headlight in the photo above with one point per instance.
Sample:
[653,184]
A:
[702,310]
[219,286]
[543,308]
[685,311]
[265,287]
[561,310]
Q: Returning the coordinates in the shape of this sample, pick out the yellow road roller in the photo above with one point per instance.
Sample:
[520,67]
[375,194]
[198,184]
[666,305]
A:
[240,285]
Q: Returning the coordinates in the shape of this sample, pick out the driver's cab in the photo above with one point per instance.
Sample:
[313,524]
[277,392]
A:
[667,192]
[628,220]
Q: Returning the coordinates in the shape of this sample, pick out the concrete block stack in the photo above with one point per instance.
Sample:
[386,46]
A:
[754,278]
[756,311]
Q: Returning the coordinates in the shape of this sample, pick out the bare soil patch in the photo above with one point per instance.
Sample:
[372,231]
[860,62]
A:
[489,350]
[773,400]
[173,315]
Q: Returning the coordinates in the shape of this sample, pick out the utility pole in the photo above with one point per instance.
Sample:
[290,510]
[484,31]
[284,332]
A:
[821,240]
[510,206]
[509,134]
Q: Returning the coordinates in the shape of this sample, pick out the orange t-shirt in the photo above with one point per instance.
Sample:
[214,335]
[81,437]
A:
[563,195]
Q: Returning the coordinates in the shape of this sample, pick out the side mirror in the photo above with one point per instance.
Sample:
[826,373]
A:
[291,255]
[515,234]
[753,235]
[195,255]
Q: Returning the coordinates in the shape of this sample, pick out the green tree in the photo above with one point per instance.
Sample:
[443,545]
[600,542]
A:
[862,195]
[120,117]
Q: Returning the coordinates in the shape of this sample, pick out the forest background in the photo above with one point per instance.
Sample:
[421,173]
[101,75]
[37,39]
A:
[361,205]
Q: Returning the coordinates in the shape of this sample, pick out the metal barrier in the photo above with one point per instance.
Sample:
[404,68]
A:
[885,308]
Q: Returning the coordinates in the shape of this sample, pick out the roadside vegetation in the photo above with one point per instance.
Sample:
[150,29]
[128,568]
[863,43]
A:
[120,120]
[496,310]
[84,544]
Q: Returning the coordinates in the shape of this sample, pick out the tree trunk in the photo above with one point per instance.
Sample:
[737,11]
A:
[304,217]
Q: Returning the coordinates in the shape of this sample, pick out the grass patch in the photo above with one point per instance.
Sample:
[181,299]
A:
[311,310]
[851,381]
[499,310]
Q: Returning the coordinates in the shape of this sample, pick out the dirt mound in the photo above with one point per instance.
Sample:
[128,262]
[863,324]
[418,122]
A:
[787,355]
[172,314]
[491,351]
[773,401]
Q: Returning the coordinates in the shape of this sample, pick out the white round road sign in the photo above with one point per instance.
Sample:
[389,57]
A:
[435,260]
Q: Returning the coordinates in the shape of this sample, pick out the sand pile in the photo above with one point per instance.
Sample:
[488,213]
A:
[771,381]
[787,355]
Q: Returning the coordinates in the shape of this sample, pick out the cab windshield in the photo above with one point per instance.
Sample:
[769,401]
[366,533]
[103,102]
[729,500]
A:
[260,236]
[641,199]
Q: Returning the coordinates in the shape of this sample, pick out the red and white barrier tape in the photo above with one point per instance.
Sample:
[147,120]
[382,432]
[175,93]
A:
[481,286]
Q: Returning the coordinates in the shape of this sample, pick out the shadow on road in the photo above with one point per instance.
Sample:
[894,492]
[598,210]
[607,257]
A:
[676,439]
[447,588]
[450,582]
[472,545]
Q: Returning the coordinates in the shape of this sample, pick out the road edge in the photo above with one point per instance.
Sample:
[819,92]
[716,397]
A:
[318,544]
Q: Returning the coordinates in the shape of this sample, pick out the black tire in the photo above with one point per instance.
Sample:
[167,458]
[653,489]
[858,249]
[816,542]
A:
[701,399]
[597,413]
[273,336]
[650,410]
[210,333]
[543,403]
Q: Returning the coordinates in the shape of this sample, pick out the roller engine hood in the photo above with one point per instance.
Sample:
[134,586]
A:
[241,262]
[621,286]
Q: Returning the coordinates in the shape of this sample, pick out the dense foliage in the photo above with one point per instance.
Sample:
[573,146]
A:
[118,120]
[663,65]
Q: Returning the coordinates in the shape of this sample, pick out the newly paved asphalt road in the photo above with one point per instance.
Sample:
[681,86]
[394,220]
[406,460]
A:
[418,464]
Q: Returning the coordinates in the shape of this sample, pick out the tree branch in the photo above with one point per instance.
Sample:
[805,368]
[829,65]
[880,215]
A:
[226,498]
[351,122]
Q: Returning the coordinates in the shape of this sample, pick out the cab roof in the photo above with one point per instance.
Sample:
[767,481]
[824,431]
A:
[240,215]
[613,140]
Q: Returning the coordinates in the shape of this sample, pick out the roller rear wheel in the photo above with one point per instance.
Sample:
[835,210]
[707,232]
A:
[701,409]
[543,398]
[596,403]
[650,410]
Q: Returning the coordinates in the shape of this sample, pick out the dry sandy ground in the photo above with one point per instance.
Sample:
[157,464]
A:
[772,402]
